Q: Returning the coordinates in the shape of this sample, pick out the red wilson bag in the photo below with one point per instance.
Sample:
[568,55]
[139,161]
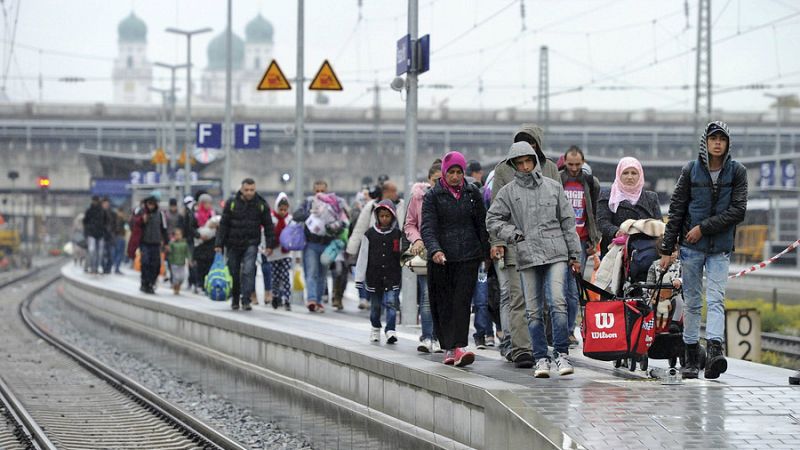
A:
[615,328]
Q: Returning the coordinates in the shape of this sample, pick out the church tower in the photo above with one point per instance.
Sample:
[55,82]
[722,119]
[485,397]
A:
[257,56]
[133,73]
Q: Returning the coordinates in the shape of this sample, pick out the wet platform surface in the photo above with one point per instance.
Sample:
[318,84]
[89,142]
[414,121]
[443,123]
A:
[750,406]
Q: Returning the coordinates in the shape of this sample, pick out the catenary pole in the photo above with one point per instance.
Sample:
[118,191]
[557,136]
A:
[299,109]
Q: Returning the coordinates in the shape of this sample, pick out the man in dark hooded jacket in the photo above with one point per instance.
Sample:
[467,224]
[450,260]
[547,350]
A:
[709,200]
[245,215]
[95,222]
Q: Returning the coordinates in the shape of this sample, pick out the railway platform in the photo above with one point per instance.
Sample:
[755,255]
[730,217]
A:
[411,399]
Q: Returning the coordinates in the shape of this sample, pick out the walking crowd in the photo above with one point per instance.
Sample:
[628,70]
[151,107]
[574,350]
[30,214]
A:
[505,245]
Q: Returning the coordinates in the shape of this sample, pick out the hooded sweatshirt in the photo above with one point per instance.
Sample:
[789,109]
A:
[413,222]
[378,268]
[279,224]
[504,174]
[716,206]
[533,213]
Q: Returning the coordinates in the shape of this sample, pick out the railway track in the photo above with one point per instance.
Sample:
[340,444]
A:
[779,343]
[61,397]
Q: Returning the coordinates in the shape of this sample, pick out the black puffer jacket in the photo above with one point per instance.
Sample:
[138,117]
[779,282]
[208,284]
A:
[242,222]
[646,208]
[95,222]
[455,227]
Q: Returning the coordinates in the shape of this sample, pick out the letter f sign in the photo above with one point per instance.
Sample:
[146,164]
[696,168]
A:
[604,320]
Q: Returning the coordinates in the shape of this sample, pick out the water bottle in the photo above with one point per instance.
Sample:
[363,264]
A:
[482,275]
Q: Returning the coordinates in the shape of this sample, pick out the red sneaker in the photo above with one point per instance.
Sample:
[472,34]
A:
[463,357]
[449,357]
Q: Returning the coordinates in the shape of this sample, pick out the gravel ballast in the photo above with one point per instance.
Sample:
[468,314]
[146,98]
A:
[236,422]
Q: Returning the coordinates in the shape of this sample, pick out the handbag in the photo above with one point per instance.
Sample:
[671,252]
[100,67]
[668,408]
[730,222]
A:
[415,263]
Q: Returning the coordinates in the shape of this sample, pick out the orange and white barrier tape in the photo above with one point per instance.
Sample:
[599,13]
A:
[767,262]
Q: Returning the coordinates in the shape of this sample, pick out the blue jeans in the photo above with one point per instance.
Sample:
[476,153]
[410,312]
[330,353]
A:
[316,272]
[118,252]
[540,284]
[386,300]
[96,248]
[480,302]
[571,290]
[425,318]
[716,267]
[242,265]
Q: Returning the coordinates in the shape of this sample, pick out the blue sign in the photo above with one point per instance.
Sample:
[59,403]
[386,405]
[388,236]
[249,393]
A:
[110,187]
[424,52]
[403,54]
[209,135]
[767,178]
[247,136]
[789,175]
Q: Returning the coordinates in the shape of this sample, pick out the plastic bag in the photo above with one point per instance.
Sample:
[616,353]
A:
[218,282]
[293,237]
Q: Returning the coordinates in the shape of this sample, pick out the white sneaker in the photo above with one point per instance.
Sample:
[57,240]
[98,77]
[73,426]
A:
[435,347]
[424,346]
[375,335]
[391,337]
[563,364]
[542,369]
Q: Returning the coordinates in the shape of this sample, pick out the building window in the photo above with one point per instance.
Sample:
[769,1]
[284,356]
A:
[129,62]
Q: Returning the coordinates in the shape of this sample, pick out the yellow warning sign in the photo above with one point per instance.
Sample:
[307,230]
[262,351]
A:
[159,157]
[182,159]
[326,79]
[274,79]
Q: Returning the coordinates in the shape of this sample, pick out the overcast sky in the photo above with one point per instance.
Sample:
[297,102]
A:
[624,54]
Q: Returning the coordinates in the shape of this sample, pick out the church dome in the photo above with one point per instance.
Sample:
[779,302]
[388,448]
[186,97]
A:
[259,30]
[132,29]
[216,52]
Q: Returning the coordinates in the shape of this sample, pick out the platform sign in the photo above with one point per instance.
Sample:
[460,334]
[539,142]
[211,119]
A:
[767,178]
[743,334]
[403,55]
[325,79]
[209,135]
[424,52]
[247,136]
[274,79]
[789,175]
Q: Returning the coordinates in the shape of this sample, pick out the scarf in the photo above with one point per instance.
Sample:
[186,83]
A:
[620,192]
[203,214]
[455,190]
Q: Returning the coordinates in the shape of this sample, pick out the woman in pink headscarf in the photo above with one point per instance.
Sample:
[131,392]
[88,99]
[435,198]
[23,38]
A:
[626,199]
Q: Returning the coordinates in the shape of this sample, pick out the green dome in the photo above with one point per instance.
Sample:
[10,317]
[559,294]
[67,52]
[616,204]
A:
[132,29]
[259,30]
[216,52]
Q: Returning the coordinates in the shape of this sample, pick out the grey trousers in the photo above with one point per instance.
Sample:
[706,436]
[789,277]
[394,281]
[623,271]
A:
[512,309]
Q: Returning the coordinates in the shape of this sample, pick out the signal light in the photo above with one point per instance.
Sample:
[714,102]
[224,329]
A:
[44,182]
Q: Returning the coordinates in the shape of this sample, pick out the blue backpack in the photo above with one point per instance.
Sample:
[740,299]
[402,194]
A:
[218,282]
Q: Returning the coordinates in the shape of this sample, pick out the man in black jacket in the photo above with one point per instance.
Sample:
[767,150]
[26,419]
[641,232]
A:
[95,221]
[243,218]
[709,200]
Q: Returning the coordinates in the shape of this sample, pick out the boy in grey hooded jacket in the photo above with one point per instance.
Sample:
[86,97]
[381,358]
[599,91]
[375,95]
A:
[533,213]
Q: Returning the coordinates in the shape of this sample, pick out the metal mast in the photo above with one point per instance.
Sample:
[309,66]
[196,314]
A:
[543,106]
[702,80]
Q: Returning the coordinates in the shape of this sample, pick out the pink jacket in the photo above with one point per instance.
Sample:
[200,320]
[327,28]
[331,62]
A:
[413,221]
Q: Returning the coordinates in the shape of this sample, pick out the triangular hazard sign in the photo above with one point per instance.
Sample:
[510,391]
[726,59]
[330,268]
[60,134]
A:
[274,79]
[159,157]
[325,80]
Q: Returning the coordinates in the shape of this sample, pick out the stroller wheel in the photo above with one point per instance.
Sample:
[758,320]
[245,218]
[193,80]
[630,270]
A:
[618,364]
[673,361]
[643,363]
